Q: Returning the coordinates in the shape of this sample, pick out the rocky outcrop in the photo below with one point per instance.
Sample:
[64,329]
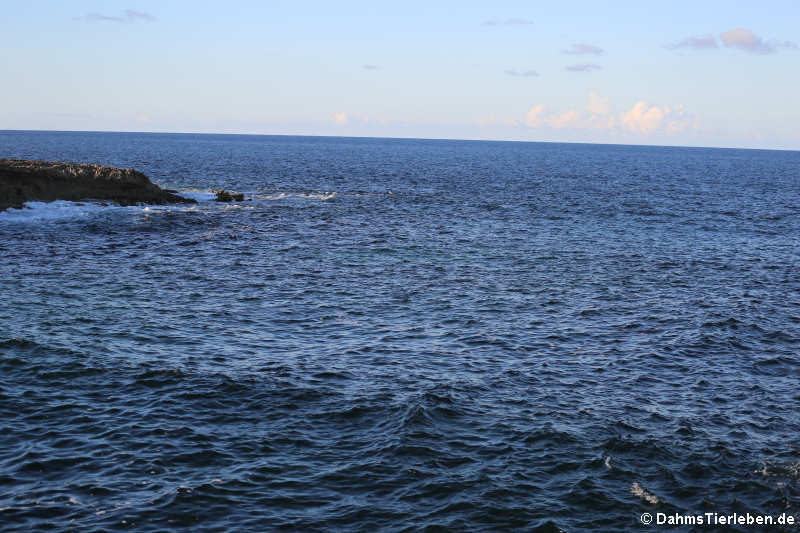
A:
[45,181]
[227,196]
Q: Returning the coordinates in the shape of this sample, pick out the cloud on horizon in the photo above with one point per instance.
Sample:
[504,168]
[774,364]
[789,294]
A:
[645,118]
[583,67]
[371,67]
[343,118]
[524,74]
[642,118]
[508,22]
[703,42]
[579,49]
[597,104]
[130,15]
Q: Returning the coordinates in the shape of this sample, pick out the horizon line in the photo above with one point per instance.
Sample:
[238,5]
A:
[404,138]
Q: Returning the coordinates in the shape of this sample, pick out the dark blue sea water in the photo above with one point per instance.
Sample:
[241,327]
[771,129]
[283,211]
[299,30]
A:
[402,335]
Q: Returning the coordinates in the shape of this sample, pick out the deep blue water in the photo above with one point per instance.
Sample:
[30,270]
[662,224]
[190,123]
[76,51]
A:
[403,335]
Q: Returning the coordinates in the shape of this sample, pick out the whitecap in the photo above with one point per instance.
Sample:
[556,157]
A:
[320,195]
[201,195]
[639,492]
[51,211]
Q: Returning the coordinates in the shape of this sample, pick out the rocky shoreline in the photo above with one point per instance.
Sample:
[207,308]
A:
[45,181]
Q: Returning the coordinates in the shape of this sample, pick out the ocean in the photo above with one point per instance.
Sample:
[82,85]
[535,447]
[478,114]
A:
[402,335]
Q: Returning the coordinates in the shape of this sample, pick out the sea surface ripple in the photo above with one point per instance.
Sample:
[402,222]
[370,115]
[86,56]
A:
[402,335]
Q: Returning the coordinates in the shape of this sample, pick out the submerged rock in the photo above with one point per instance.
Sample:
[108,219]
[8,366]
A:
[45,181]
[227,196]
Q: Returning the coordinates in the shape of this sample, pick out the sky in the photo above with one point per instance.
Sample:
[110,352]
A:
[700,73]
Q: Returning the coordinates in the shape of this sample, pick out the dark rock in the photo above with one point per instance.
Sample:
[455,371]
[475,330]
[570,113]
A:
[45,181]
[227,196]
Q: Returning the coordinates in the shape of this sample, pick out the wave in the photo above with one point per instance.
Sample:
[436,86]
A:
[55,211]
[64,210]
[321,195]
[637,490]
[209,196]
[201,195]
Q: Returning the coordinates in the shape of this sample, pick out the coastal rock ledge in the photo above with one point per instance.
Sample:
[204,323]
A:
[45,181]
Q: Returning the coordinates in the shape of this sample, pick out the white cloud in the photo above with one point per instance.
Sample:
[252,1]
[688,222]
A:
[704,42]
[789,45]
[739,38]
[508,22]
[535,116]
[579,49]
[643,118]
[583,67]
[565,119]
[129,15]
[344,118]
[597,104]
[746,40]
[132,15]
[524,74]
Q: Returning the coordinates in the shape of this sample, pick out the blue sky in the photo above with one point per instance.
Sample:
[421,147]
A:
[709,73]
